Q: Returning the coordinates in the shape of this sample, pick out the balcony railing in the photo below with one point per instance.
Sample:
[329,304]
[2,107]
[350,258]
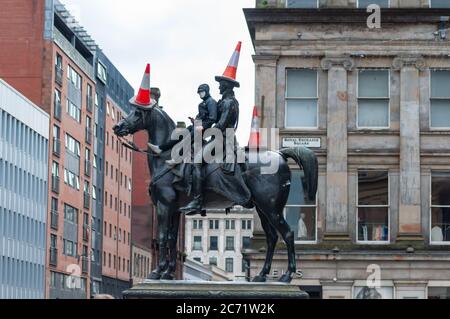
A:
[55,184]
[54,220]
[88,135]
[85,232]
[57,113]
[56,146]
[87,168]
[58,75]
[85,264]
[53,256]
[89,104]
[87,199]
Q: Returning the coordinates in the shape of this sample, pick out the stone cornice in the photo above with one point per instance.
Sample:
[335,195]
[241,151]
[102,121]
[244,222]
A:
[416,61]
[345,62]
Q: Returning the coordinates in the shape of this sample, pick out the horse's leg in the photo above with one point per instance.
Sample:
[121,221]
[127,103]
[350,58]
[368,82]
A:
[169,274]
[271,238]
[162,240]
[283,228]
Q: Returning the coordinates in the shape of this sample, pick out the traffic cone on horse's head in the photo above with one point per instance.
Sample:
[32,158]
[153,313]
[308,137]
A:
[231,70]
[254,141]
[142,99]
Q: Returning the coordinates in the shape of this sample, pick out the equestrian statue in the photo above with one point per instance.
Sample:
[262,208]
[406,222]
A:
[181,187]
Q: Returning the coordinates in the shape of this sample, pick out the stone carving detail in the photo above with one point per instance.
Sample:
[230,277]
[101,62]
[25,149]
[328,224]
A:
[339,61]
[416,61]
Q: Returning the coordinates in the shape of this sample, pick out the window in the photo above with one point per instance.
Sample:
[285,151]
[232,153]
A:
[213,261]
[74,77]
[440,99]
[247,224]
[229,243]
[246,241]
[365,3]
[373,99]
[439,4]
[70,248]
[230,224]
[300,212]
[306,4]
[440,207]
[70,214]
[229,264]
[55,169]
[71,179]
[213,243]
[214,224]
[301,98]
[59,61]
[198,259]
[373,206]
[198,224]
[438,292]
[72,145]
[197,243]
[101,72]
[73,110]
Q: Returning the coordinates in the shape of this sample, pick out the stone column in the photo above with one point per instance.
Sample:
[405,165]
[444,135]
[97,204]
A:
[409,195]
[337,181]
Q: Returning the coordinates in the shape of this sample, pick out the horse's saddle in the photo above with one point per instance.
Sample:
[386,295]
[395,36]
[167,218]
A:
[223,179]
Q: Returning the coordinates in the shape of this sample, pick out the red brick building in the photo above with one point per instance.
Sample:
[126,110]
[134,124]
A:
[51,63]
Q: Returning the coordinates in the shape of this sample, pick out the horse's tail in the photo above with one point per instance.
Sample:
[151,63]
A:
[306,159]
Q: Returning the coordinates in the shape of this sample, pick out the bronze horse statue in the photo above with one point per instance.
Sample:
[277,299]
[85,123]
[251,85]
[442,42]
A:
[269,192]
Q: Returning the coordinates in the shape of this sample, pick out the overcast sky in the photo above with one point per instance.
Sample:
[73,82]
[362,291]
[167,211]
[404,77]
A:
[187,42]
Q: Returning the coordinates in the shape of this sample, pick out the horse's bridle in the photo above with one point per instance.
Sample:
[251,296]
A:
[130,144]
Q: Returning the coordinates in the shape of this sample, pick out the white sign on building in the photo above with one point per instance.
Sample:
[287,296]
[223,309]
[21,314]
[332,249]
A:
[311,142]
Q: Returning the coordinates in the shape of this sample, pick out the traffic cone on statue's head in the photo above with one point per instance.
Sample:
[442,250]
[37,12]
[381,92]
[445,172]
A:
[142,99]
[254,141]
[231,70]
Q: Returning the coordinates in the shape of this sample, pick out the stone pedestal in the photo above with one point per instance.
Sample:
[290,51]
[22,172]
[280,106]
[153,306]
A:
[182,289]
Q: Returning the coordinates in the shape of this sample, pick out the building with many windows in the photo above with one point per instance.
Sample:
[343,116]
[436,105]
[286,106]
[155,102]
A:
[24,140]
[374,105]
[218,240]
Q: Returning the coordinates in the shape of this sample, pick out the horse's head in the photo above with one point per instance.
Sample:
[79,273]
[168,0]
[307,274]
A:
[133,123]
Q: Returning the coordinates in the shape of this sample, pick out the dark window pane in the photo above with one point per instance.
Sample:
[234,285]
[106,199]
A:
[440,189]
[373,224]
[373,188]
[302,221]
[440,224]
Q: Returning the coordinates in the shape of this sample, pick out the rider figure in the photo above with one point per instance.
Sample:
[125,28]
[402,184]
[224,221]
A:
[207,115]
[228,114]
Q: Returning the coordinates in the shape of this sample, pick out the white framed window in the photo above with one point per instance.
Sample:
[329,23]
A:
[373,99]
[72,145]
[373,206]
[229,265]
[301,213]
[304,4]
[74,77]
[102,72]
[440,99]
[71,179]
[440,208]
[73,110]
[365,3]
[441,4]
[197,243]
[301,99]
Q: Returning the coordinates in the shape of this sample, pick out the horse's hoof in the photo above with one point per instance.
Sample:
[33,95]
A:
[154,275]
[168,276]
[286,278]
[259,278]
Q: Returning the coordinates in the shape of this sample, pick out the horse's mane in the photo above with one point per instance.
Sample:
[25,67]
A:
[166,117]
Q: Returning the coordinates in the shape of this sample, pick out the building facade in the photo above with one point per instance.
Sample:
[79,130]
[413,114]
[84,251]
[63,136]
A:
[24,142]
[141,263]
[116,269]
[218,240]
[373,104]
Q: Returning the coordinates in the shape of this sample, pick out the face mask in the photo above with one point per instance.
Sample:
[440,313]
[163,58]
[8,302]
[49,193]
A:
[202,94]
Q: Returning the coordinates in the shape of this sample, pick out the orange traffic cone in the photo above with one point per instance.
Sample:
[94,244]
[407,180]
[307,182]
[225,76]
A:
[142,99]
[253,142]
[231,70]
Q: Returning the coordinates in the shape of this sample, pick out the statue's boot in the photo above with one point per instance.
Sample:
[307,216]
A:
[154,148]
[195,206]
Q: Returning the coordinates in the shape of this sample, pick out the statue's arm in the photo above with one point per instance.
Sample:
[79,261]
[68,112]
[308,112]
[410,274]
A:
[225,116]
